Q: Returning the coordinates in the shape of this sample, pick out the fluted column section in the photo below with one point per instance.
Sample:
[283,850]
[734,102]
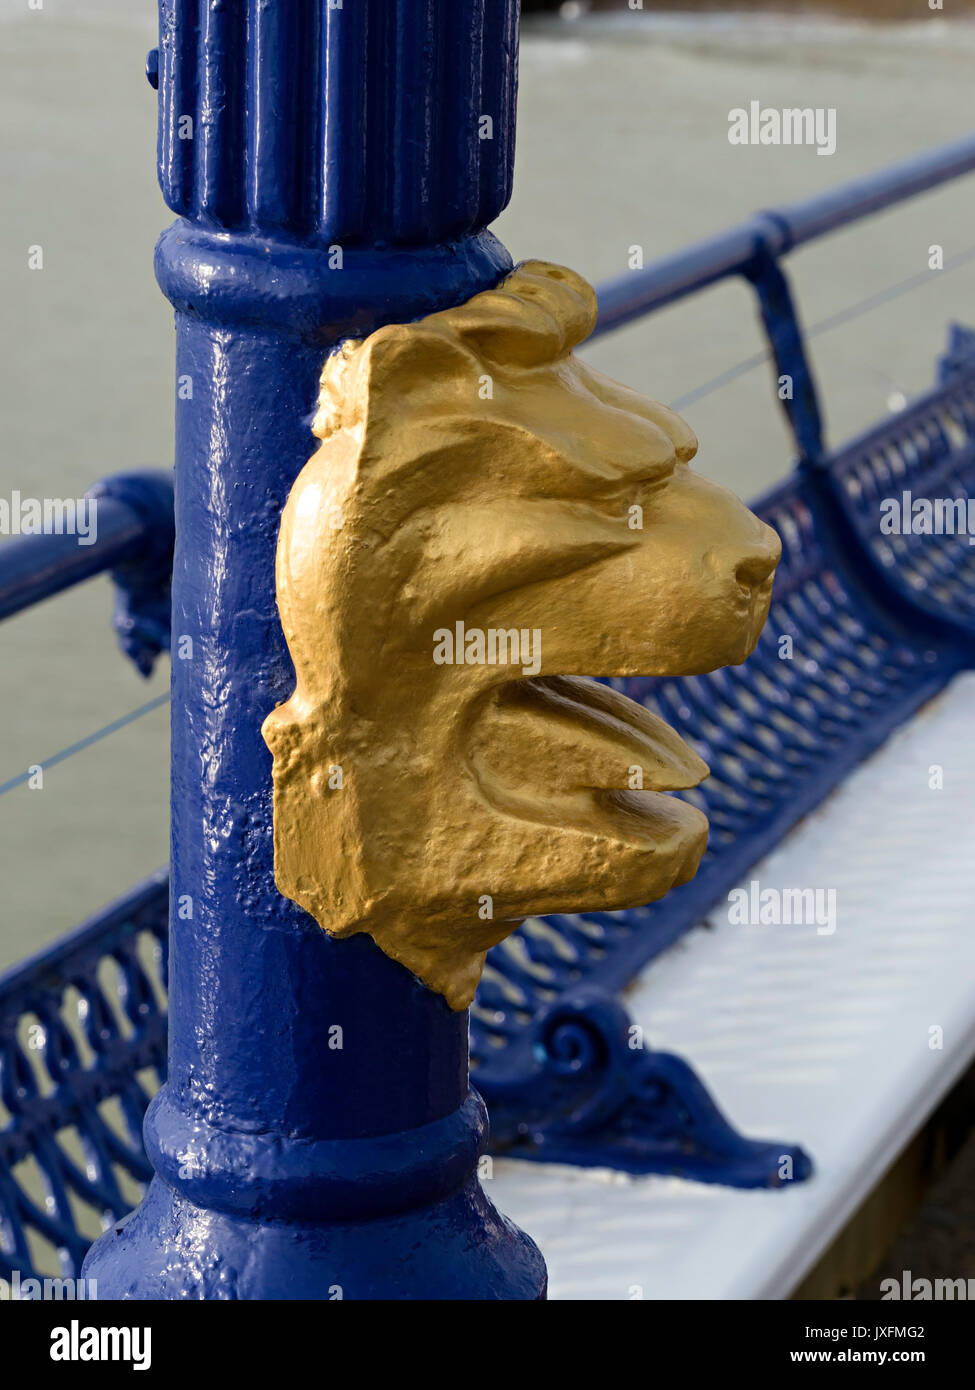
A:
[374,122]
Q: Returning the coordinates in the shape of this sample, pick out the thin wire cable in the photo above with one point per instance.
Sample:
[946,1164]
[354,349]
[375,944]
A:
[825,325]
[85,742]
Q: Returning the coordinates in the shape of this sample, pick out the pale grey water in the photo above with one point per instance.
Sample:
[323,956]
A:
[622,140]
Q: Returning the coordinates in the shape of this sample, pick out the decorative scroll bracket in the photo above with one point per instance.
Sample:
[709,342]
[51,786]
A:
[603,1098]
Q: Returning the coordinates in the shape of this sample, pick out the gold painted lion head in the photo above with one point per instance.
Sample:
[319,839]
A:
[487,522]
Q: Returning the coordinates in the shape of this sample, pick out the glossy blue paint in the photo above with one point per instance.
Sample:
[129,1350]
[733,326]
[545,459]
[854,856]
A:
[317,1130]
[358,125]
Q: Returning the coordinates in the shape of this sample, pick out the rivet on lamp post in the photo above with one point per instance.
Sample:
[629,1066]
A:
[475,485]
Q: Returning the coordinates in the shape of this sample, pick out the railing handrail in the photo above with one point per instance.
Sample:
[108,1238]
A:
[130,531]
[35,567]
[135,528]
[776,231]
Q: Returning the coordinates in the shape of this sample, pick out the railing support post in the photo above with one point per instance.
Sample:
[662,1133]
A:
[333,168]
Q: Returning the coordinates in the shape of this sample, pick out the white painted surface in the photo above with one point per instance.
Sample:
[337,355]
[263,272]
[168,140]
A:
[817,1039]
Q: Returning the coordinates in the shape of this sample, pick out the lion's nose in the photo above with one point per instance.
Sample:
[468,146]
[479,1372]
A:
[756,568]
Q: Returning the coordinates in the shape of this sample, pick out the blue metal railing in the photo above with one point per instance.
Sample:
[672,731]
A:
[36,567]
[884,629]
[132,533]
[754,250]
[33,568]
[776,232]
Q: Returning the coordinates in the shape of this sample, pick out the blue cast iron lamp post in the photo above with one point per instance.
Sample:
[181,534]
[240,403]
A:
[333,168]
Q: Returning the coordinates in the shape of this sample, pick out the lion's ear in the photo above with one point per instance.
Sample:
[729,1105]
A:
[398,370]
[535,316]
[413,355]
[622,398]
